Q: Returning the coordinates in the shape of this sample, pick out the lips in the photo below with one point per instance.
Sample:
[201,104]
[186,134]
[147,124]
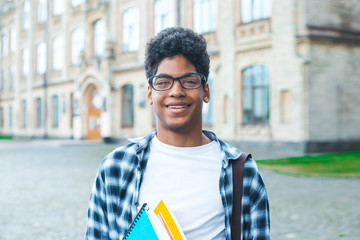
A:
[177,105]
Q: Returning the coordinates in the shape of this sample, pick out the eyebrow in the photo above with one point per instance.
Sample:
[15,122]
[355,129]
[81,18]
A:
[167,75]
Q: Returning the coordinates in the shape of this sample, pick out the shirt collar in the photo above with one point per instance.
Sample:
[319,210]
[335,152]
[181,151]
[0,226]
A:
[143,142]
[229,152]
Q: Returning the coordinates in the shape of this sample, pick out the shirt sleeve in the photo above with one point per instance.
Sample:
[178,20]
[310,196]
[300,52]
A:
[97,225]
[259,209]
[259,215]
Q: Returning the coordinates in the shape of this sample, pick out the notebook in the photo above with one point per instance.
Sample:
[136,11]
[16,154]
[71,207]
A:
[170,222]
[157,224]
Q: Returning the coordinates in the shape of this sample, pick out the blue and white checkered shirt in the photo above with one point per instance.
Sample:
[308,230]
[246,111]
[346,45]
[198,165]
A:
[114,199]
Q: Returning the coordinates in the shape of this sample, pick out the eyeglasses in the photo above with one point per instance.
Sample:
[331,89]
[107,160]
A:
[164,82]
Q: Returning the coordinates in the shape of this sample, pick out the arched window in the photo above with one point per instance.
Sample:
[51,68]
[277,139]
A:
[207,111]
[4,44]
[76,3]
[41,58]
[25,62]
[42,11]
[26,15]
[205,15]
[99,38]
[131,34]
[164,15]
[77,45]
[252,10]
[256,79]
[58,52]
[13,40]
[58,7]
[127,106]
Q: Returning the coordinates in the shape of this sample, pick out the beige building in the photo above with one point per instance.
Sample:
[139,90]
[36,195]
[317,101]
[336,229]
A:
[282,71]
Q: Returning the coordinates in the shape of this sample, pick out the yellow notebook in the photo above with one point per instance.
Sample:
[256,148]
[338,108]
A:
[170,222]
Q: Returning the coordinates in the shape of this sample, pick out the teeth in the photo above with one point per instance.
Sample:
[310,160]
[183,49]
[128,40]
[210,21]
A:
[177,107]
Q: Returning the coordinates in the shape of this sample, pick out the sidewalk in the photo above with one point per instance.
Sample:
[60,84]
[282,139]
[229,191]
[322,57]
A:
[313,208]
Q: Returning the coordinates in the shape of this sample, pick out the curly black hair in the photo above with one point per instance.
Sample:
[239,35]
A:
[173,41]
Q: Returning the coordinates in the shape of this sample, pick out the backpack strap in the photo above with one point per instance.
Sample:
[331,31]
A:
[238,169]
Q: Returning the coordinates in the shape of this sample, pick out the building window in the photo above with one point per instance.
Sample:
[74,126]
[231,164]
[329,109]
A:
[205,15]
[10,117]
[207,111]
[58,53]
[26,15]
[164,15]
[58,7]
[76,3]
[127,106]
[252,10]
[13,40]
[24,114]
[99,38]
[4,44]
[38,113]
[256,80]
[42,11]
[41,58]
[55,108]
[25,62]
[2,79]
[77,45]
[131,33]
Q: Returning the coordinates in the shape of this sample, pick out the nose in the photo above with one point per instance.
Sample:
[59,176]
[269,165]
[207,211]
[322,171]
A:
[177,90]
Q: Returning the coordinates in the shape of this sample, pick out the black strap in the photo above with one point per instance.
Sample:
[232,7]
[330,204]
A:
[238,169]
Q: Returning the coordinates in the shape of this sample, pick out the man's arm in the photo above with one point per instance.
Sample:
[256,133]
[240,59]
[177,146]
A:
[260,216]
[97,225]
[256,209]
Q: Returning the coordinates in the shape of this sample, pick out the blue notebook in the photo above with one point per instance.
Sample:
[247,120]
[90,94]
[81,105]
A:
[145,226]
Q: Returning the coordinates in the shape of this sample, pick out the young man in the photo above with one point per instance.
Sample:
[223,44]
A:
[189,168]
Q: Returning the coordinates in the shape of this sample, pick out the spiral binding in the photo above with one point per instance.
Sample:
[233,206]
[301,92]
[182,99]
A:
[144,208]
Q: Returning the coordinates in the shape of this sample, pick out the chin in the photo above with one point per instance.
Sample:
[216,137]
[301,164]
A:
[179,128]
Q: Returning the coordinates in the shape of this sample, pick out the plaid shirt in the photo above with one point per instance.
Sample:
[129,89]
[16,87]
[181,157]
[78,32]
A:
[115,193]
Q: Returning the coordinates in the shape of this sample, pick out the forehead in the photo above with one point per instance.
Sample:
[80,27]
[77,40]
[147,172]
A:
[175,66]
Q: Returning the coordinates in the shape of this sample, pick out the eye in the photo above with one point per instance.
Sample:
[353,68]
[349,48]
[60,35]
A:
[162,81]
[190,81]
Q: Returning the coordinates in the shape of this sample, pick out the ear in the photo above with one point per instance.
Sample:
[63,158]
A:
[149,95]
[206,93]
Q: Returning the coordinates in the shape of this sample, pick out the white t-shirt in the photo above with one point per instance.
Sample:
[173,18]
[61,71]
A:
[187,179]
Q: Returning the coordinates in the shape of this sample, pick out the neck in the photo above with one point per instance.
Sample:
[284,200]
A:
[183,139]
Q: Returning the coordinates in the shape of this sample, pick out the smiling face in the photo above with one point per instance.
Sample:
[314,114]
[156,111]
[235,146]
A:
[178,109]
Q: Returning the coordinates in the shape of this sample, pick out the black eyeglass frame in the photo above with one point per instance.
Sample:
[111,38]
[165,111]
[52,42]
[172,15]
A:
[202,76]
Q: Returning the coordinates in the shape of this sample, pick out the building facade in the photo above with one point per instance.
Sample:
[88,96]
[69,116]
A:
[281,70]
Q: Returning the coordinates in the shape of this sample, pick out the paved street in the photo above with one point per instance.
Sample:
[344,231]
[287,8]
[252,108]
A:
[45,186]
